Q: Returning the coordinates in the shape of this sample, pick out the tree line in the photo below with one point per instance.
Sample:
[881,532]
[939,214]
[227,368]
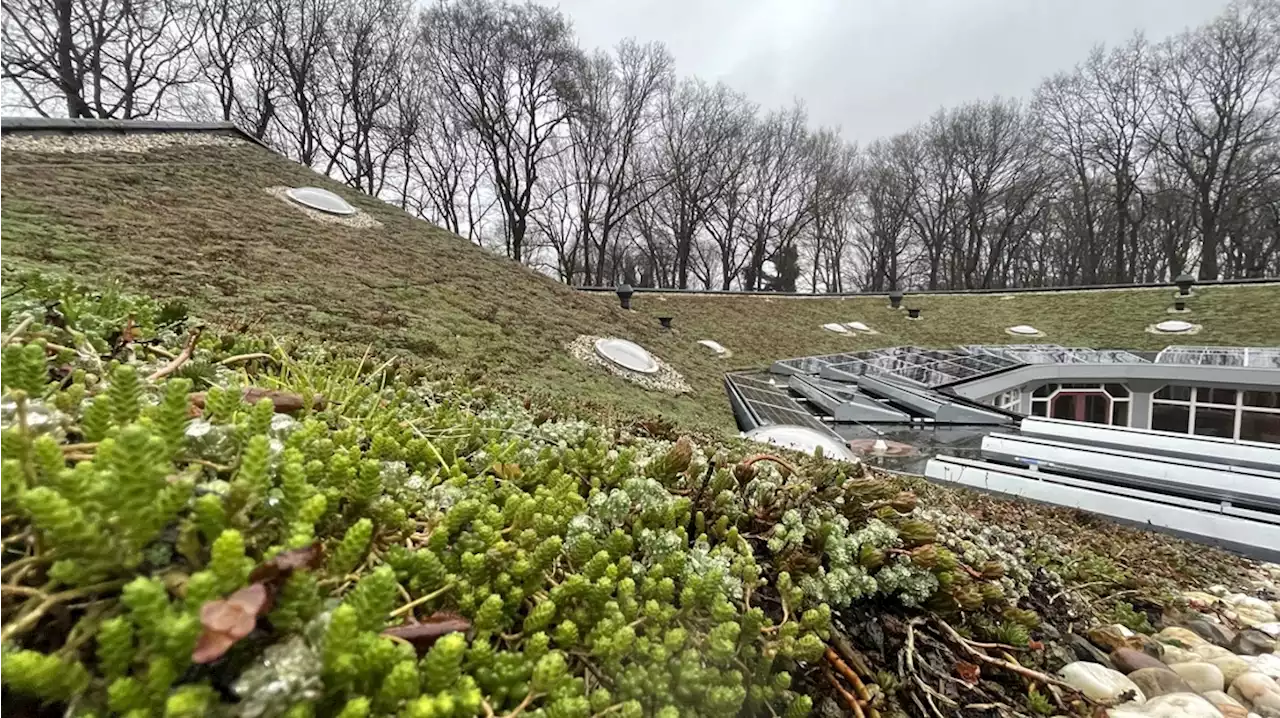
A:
[486,117]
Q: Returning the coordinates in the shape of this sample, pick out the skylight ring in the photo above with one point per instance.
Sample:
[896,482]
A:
[321,200]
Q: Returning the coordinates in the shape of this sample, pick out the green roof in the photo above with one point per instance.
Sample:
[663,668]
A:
[195,221]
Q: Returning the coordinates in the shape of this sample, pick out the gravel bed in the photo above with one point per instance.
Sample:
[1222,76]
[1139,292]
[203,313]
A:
[665,379]
[132,142]
[359,220]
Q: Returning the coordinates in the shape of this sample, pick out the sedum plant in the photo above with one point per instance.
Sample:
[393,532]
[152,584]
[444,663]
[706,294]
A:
[323,536]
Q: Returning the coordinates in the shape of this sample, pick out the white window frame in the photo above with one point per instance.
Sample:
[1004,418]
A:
[1239,406]
[1077,388]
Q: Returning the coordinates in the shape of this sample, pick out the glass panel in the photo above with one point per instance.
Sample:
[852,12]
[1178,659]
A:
[1119,391]
[1269,399]
[1215,422]
[1120,413]
[1097,408]
[1044,390]
[1175,392]
[1064,406]
[1209,395]
[1257,426]
[1170,417]
[1038,408]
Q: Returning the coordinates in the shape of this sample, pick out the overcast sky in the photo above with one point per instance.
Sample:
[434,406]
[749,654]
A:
[876,67]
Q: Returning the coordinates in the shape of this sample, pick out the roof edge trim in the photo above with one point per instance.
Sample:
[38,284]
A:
[76,124]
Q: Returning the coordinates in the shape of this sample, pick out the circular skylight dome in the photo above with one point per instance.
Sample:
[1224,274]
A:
[859,326]
[802,439]
[837,328]
[713,345]
[627,355]
[1175,326]
[1024,329]
[320,199]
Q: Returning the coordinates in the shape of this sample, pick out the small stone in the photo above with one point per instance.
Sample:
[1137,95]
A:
[1173,654]
[1199,598]
[1086,651]
[1180,636]
[1222,700]
[1232,667]
[1257,692]
[1249,610]
[1173,705]
[1207,652]
[1159,682]
[1268,664]
[1212,632]
[1202,677]
[1271,629]
[1252,642]
[1109,638]
[1218,590]
[1128,660]
[1101,683]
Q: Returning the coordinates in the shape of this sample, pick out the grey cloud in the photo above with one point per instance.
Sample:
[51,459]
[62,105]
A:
[875,67]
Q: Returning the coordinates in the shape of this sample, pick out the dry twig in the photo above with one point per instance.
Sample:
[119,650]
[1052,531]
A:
[179,360]
[17,331]
[1023,671]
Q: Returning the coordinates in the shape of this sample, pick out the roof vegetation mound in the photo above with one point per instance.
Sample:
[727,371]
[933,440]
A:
[210,524]
[194,222]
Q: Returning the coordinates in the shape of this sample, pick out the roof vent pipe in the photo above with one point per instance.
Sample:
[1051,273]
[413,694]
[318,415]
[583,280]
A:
[624,295]
[665,322]
[1184,282]
[895,299]
[913,313]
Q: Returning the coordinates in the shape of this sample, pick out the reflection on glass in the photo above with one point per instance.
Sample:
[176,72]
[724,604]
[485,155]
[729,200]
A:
[1170,417]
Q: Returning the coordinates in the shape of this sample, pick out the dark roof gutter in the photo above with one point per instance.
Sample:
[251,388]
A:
[1006,290]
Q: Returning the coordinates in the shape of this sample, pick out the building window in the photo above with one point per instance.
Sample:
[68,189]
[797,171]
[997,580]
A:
[1009,400]
[1094,403]
[1213,411]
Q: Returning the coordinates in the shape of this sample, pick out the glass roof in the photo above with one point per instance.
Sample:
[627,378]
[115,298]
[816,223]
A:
[934,368]
[921,367]
[1266,357]
[1054,354]
[771,403]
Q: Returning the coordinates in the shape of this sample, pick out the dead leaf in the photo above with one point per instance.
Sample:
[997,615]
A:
[423,635]
[275,571]
[968,672]
[507,472]
[226,621]
[285,402]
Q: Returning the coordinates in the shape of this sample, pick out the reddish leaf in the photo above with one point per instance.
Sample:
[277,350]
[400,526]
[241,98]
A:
[253,599]
[226,621]
[968,672]
[211,646]
[275,571]
[423,635]
[1035,645]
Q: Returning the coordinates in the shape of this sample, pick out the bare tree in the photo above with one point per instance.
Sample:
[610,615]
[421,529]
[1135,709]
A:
[781,178]
[609,135]
[699,124]
[300,33]
[887,193]
[1217,110]
[508,71]
[234,53]
[368,46]
[1093,119]
[98,58]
